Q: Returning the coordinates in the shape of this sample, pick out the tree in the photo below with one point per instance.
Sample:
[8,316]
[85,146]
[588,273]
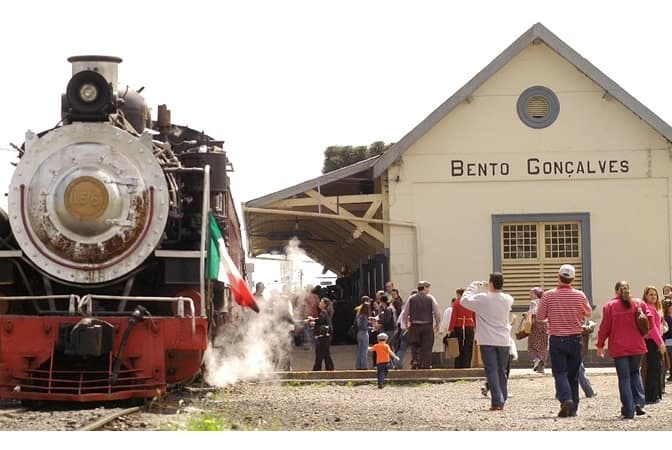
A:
[337,157]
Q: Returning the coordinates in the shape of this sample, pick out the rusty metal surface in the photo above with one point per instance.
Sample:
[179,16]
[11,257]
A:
[98,252]
[103,232]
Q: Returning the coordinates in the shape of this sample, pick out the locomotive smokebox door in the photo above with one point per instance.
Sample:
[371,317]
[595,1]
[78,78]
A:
[88,337]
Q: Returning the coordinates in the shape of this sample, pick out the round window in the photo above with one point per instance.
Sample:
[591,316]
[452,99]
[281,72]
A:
[538,107]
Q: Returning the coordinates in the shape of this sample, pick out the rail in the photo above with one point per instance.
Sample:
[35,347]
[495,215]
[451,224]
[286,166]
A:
[83,306]
[100,423]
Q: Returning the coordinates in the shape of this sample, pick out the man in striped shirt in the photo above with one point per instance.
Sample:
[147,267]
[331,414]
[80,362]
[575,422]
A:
[565,308]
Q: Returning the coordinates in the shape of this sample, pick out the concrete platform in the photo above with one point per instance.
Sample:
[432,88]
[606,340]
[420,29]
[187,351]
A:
[344,364]
[344,357]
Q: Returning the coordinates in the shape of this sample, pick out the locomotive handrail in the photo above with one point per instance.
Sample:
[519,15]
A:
[184,169]
[87,302]
[34,298]
[179,300]
[76,302]
[204,234]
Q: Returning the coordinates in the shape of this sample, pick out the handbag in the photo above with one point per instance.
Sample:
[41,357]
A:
[642,321]
[523,331]
[452,349]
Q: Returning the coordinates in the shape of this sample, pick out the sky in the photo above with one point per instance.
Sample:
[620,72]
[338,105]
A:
[280,81]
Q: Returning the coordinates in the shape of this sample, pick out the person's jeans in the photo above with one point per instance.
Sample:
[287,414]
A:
[566,359]
[495,359]
[381,372]
[362,350]
[403,345]
[630,386]
[584,382]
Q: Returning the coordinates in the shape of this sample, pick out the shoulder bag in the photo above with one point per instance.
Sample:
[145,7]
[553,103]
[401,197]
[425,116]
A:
[641,320]
[523,330]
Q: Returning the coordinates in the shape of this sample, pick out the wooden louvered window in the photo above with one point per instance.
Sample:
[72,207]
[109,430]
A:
[537,107]
[532,253]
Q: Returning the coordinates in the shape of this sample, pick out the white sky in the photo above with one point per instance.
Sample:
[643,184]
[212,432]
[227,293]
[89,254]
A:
[280,81]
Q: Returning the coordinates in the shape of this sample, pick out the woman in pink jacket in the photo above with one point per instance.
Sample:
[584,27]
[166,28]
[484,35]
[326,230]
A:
[655,347]
[626,346]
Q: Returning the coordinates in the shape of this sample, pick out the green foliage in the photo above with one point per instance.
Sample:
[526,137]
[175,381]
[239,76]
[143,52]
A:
[207,422]
[337,157]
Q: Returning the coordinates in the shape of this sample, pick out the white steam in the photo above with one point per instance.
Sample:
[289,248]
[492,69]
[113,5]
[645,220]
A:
[254,346]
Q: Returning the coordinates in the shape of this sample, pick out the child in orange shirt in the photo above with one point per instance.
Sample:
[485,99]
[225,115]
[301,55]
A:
[383,354]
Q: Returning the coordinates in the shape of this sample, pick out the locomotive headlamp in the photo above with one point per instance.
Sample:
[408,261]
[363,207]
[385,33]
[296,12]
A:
[88,92]
[89,96]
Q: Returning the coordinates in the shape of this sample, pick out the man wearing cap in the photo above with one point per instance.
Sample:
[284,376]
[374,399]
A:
[565,308]
[422,316]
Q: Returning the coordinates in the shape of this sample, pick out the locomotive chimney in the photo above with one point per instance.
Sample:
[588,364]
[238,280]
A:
[105,65]
[164,119]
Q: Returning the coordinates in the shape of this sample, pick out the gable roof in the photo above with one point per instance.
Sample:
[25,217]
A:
[537,32]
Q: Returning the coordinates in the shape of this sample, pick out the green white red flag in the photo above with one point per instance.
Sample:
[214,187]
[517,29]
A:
[222,268]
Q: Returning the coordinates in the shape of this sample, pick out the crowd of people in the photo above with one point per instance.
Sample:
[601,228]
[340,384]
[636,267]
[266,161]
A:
[558,330]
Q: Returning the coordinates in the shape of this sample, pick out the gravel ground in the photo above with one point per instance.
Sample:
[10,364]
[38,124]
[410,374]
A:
[360,406]
[445,406]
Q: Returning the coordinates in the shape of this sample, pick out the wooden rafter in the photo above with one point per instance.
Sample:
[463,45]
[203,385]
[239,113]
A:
[312,201]
[332,204]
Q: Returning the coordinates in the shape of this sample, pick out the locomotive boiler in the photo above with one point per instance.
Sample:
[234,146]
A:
[103,287]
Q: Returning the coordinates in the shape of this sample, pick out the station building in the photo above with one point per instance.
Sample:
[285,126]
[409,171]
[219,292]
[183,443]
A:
[539,160]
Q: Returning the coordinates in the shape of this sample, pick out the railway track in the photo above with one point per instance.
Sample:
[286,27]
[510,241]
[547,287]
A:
[154,415]
[100,423]
[52,418]
[7,412]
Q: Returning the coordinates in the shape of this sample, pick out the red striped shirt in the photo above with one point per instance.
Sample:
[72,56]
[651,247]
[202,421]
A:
[565,309]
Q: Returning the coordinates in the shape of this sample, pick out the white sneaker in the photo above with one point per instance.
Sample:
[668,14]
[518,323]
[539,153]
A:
[538,366]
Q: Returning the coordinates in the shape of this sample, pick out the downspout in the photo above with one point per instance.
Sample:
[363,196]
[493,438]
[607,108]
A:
[669,226]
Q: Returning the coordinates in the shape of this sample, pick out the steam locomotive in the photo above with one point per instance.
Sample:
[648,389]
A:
[103,287]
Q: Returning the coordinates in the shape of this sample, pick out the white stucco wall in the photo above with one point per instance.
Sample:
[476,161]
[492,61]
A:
[627,198]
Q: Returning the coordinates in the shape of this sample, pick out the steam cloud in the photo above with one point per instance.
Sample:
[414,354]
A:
[254,346]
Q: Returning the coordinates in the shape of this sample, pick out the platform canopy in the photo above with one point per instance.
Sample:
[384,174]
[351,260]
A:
[338,218]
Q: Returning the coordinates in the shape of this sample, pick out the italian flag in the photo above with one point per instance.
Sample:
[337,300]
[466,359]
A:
[222,268]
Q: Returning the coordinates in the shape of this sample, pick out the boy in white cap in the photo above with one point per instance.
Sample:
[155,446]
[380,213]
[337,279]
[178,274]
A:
[383,355]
